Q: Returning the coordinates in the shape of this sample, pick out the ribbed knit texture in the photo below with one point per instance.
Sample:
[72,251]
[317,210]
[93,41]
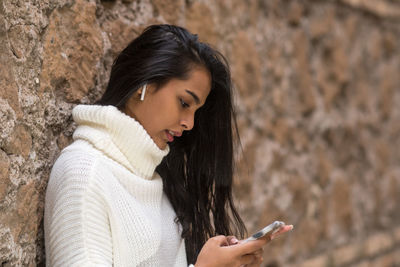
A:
[105,204]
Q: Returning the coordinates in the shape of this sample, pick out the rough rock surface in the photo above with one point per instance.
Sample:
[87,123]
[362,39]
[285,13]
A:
[318,103]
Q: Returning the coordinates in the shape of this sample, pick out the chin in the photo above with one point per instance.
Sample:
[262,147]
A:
[162,146]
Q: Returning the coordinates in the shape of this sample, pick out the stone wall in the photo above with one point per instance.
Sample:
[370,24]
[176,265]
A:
[318,103]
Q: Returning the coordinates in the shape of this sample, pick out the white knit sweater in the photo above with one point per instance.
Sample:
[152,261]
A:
[105,204]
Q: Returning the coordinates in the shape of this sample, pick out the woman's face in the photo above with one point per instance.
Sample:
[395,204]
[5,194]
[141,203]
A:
[167,112]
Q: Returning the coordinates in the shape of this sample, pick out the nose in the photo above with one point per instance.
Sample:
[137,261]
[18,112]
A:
[187,122]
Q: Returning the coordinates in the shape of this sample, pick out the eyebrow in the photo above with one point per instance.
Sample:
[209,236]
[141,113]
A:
[195,97]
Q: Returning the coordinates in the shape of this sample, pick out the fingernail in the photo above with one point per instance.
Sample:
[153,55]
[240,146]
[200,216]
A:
[234,241]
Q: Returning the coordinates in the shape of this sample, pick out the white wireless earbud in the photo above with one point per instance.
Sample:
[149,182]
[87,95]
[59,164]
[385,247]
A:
[143,92]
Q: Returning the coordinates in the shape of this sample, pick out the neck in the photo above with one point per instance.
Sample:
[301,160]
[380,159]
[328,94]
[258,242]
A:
[119,136]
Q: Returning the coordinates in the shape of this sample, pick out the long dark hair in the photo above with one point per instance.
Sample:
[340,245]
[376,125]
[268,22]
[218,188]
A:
[198,171]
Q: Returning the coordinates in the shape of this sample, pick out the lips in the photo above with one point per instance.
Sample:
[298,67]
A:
[170,135]
[175,133]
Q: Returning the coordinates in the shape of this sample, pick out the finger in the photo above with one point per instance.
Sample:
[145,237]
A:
[249,247]
[259,252]
[256,263]
[221,240]
[232,240]
[247,259]
[282,230]
[267,238]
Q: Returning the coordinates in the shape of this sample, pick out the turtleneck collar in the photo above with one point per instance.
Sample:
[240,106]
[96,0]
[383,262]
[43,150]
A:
[119,136]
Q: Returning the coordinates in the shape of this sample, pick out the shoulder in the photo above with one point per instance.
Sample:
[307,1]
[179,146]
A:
[79,164]
[78,176]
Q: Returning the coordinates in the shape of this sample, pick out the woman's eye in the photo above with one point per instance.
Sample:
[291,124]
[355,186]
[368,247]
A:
[183,103]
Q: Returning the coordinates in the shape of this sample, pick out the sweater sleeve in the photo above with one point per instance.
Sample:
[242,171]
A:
[77,229]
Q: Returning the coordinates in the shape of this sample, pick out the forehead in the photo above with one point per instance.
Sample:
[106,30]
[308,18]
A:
[198,83]
[200,80]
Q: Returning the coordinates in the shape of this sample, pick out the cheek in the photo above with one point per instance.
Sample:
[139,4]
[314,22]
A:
[166,108]
[163,115]
[170,116]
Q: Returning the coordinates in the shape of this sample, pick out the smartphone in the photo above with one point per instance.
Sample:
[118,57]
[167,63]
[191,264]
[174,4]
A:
[269,230]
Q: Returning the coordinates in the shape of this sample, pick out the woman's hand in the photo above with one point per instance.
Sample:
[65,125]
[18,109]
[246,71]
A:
[228,251]
[217,252]
[259,254]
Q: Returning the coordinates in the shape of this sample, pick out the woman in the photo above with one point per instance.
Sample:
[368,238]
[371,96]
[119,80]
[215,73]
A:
[148,178]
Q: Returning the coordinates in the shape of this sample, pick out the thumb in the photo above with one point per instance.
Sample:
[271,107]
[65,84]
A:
[249,247]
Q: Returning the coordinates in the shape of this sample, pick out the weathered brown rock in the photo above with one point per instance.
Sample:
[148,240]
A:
[389,43]
[322,24]
[331,91]
[27,211]
[281,130]
[63,141]
[5,248]
[393,192]
[350,26]
[246,70]
[235,10]
[324,168]
[4,170]
[362,96]
[245,166]
[120,34]
[389,83]
[299,194]
[269,213]
[279,97]
[300,140]
[333,73]
[20,142]
[171,10]
[340,63]
[72,48]
[296,10]
[200,20]
[8,87]
[386,9]
[7,121]
[305,237]
[341,201]
[23,40]
[347,254]
[303,85]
